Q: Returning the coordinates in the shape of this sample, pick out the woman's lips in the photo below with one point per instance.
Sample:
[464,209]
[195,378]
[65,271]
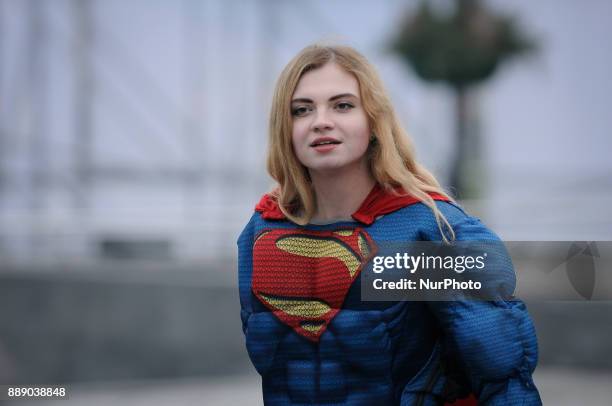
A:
[324,144]
[324,147]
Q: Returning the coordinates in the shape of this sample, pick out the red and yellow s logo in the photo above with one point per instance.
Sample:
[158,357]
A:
[304,276]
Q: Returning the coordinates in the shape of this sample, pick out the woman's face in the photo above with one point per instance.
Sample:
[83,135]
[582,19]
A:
[330,127]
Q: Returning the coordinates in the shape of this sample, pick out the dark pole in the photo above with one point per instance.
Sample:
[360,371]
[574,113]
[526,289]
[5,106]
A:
[457,175]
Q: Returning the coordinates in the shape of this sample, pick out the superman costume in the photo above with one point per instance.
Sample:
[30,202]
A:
[314,341]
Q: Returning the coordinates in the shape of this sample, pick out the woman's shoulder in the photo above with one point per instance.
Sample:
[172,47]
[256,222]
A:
[419,211]
[465,225]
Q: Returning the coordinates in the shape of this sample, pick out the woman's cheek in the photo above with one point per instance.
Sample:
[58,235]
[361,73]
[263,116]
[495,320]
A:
[299,147]
[299,134]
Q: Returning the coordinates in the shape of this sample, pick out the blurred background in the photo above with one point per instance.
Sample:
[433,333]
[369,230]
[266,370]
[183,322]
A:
[132,152]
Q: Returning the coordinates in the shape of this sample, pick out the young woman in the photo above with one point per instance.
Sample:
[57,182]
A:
[347,182]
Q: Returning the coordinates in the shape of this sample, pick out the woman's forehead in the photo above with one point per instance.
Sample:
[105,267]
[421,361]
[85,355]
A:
[326,81]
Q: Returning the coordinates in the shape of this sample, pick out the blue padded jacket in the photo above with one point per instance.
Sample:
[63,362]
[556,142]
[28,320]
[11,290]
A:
[314,341]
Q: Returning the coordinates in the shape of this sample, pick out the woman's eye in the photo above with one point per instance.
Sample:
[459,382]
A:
[344,106]
[300,111]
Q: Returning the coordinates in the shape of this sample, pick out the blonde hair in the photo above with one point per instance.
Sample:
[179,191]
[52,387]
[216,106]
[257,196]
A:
[392,158]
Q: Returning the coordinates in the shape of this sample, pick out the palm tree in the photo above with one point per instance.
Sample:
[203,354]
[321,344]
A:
[461,49]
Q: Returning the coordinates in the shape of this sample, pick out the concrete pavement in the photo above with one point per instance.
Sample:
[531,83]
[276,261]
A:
[557,386]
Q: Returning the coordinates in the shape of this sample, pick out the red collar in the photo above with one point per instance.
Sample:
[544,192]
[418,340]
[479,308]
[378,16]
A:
[377,203]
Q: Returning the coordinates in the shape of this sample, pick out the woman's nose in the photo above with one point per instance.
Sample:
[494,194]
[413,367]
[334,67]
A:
[322,121]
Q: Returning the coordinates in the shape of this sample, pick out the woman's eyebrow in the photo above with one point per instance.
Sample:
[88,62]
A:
[301,100]
[338,96]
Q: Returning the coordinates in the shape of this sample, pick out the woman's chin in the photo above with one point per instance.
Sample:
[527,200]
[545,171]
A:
[333,168]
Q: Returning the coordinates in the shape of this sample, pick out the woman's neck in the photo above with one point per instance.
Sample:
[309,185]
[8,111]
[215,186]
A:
[341,193]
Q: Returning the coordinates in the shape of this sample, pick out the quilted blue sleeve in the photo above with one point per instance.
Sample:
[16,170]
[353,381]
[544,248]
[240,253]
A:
[245,269]
[494,342]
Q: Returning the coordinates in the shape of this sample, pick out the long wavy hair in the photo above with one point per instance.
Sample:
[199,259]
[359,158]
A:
[391,154]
